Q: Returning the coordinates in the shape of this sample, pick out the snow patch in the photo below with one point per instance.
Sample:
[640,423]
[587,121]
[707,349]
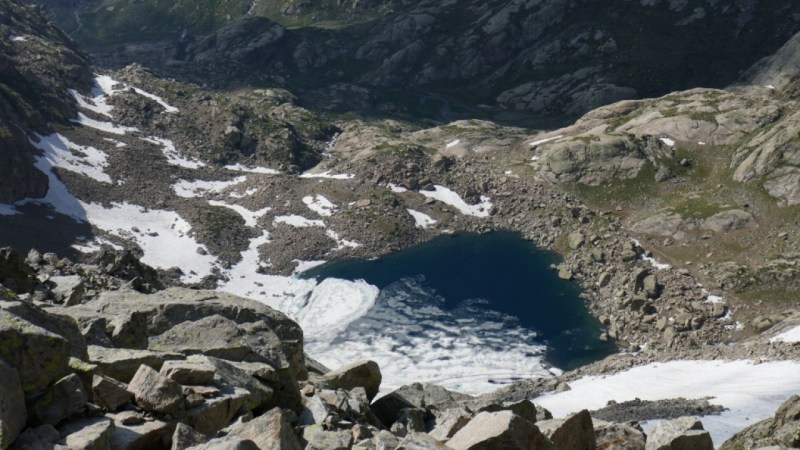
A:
[341,243]
[171,153]
[303,266]
[199,188]
[453,143]
[64,154]
[167,107]
[396,189]
[163,236]
[449,197]
[247,193]
[327,174]
[542,141]
[250,217]
[790,336]
[422,220]
[8,210]
[320,205]
[107,127]
[13,38]
[243,168]
[752,392]
[298,221]
[667,141]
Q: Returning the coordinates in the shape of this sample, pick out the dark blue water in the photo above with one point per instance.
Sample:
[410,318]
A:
[508,274]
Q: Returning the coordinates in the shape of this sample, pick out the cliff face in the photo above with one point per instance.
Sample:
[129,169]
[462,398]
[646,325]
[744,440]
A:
[38,64]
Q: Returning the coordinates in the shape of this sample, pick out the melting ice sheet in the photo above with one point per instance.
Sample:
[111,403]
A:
[413,338]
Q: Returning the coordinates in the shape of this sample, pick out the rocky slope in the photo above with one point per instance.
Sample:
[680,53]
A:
[556,57]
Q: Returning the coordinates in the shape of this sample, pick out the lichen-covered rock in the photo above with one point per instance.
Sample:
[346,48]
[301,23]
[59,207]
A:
[576,432]
[317,438]
[92,433]
[38,344]
[121,364]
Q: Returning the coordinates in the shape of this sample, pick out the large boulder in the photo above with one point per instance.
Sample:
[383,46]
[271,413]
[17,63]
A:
[684,433]
[38,344]
[276,339]
[12,405]
[92,433]
[213,336]
[226,375]
[425,396]
[215,414]
[617,436]
[270,431]
[502,430]
[109,393]
[121,364]
[364,374]
[576,432]
[421,441]
[157,393]
[66,398]
[317,438]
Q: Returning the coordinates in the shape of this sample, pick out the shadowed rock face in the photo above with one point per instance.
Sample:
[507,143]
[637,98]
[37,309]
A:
[38,63]
[547,57]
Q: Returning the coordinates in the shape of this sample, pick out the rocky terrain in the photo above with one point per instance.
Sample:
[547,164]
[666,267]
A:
[171,178]
[180,369]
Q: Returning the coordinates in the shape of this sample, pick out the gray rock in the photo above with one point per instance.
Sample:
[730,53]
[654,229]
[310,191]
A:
[277,339]
[109,393]
[270,431]
[409,420]
[573,433]
[157,393]
[685,433]
[499,431]
[185,436]
[616,436]
[261,371]
[215,414]
[188,373]
[261,396]
[315,412]
[449,422]
[68,289]
[213,336]
[575,240]
[226,443]
[129,330]
[383,440]
[44,437]
[92,433]
[316,438]
[415,395]
[121,364]
[420,441]
[15,273]
[364,374]
[139,434]
[66,398]
[726,221]
[38,344]
[650,286]
[13,413]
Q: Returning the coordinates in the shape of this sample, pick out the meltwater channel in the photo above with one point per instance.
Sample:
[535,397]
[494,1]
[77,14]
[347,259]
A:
[469,312]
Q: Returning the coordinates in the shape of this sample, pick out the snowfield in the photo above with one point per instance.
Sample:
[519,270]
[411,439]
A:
[751,391]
